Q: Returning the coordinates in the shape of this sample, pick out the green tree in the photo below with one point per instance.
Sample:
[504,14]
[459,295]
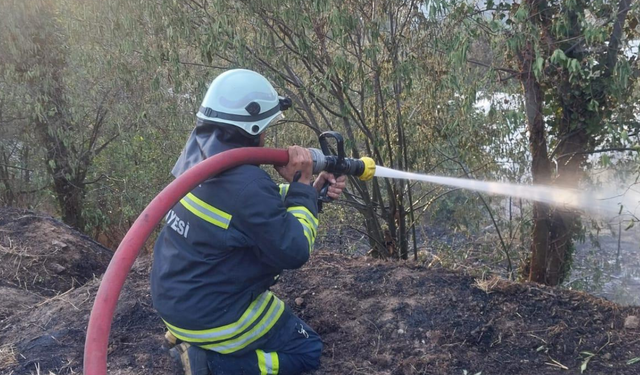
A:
[577,86]
[70,87]
[363,68]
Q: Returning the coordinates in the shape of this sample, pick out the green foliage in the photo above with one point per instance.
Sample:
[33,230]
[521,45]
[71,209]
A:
[575,53]
[392,79]
[75,86]
[367,71]
[116,85]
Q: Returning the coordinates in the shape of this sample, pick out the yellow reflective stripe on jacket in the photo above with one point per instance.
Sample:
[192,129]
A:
[253,312]
[206,211]
[308,221]
[309,234]
[303,218]
[268,363]
[260,329]
[302,213]
[284,189]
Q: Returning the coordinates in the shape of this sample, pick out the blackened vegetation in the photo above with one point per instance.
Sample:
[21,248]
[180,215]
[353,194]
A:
[381,318]
[374,317]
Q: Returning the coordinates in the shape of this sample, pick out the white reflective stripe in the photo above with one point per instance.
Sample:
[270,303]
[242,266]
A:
[262,362]
[268,363]
[251,314]
[267,322]
[205,211]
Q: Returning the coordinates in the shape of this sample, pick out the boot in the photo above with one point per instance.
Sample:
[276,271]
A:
[189,359]
[170,340]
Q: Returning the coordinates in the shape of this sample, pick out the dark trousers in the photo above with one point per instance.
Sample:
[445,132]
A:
[291,348]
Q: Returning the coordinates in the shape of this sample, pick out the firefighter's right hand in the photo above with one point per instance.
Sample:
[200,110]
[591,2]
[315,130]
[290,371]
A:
[299,160]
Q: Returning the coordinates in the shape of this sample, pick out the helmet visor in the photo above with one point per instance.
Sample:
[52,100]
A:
[276,119]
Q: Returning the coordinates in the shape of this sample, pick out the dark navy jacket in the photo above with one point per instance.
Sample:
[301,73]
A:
[224,244]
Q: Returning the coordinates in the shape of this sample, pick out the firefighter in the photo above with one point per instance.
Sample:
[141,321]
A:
[226,242]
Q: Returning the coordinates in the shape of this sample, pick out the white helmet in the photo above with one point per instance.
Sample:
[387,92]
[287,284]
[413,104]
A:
[242,98]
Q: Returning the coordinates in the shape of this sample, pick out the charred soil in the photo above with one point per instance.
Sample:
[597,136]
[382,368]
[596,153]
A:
[374,317]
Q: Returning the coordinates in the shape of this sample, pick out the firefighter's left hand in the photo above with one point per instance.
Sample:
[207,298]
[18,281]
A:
[336,187]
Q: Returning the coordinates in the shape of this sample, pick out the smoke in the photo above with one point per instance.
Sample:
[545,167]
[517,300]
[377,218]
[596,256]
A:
[614,200]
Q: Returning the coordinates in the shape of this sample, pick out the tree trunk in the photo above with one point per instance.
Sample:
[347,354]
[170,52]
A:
[69,192]
[8,197]
[540,168]
[68,184]
[571,156]
[554,229]
[381,248]
[70,196]
[372,225]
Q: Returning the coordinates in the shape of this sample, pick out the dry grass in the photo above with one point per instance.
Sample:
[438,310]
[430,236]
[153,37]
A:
[37,365]
[8,359]
[487,285]
[7,356]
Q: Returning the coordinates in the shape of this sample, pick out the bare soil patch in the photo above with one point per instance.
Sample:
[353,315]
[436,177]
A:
[374,317]
[44,256]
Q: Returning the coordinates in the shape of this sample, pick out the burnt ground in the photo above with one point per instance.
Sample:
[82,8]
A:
[42,255]
[374,317]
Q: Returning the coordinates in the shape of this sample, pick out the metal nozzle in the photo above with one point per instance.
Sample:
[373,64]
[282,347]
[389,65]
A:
[363,168]
[319,161]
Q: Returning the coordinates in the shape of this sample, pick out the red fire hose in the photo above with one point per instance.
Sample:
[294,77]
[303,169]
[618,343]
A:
[95,348]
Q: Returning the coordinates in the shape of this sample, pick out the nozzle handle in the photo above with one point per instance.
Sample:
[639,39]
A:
[324,144]
[323,192]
